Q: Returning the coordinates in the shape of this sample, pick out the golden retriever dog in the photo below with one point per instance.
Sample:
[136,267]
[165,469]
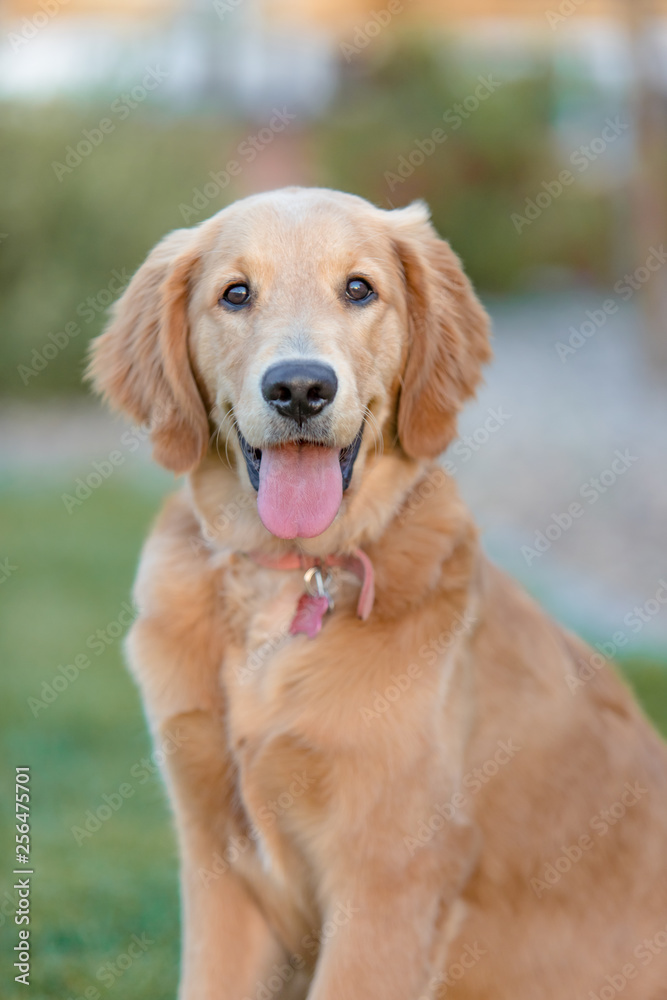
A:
[395,777]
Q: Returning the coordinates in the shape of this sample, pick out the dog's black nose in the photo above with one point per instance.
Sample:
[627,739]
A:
[299,389]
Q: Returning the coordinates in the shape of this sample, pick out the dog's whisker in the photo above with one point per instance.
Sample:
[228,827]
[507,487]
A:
[217,444]
[234,426]
[216,430]
[228,416]
[378,440]
[226,458]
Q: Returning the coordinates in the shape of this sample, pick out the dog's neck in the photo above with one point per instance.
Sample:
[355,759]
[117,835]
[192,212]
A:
[406,515]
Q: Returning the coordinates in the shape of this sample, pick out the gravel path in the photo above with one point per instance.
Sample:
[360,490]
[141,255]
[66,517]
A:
[568,422]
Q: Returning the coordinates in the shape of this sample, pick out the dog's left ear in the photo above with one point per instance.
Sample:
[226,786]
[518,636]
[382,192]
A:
[448,336]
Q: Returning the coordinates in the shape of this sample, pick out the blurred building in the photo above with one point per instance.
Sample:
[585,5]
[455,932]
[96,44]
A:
[247,53]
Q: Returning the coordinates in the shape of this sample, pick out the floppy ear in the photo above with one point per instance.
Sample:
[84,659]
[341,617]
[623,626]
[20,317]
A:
[449,336]
[141,362]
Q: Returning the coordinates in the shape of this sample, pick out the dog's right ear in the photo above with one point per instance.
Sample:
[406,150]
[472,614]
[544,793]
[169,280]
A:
[141,363]
[449,335]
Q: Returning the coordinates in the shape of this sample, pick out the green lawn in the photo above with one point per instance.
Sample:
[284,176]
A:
[72,575]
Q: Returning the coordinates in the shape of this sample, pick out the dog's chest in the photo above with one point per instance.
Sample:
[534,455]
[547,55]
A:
[279,766]
[265,655]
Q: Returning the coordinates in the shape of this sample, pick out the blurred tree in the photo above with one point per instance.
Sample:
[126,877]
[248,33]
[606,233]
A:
[489,157]
[412,119]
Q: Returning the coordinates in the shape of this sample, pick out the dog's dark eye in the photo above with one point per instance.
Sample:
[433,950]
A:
[235,295]
[358,290]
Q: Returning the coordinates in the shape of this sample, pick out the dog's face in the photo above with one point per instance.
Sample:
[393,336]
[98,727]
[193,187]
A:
[296,332]
[298,335]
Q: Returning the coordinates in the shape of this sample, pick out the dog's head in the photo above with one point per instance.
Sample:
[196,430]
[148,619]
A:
[294,333]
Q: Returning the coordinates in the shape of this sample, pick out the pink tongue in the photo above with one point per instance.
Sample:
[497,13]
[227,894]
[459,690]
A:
[300,490]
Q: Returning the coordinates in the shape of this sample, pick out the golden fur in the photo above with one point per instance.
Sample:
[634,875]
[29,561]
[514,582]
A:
[400,808]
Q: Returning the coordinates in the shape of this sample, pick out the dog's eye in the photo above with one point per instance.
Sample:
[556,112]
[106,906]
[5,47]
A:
[235,295]
[358,290]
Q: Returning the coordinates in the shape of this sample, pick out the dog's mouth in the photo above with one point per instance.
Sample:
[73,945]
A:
[300,484]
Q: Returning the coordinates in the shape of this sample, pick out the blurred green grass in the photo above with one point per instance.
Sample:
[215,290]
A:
[73,574]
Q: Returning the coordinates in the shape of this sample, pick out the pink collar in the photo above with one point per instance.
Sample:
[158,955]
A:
[312,607]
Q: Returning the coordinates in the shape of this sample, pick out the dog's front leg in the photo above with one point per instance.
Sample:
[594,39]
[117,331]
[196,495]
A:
[226,941]
[380,935]
[383,949]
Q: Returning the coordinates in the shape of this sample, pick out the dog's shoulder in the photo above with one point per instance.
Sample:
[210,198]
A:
[177,568]
[176,645]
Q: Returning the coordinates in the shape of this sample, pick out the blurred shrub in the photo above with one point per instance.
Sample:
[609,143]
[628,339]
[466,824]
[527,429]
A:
[498,150]
[63,239]
[67,243]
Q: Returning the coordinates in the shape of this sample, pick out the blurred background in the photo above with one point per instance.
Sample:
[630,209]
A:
[537,132]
